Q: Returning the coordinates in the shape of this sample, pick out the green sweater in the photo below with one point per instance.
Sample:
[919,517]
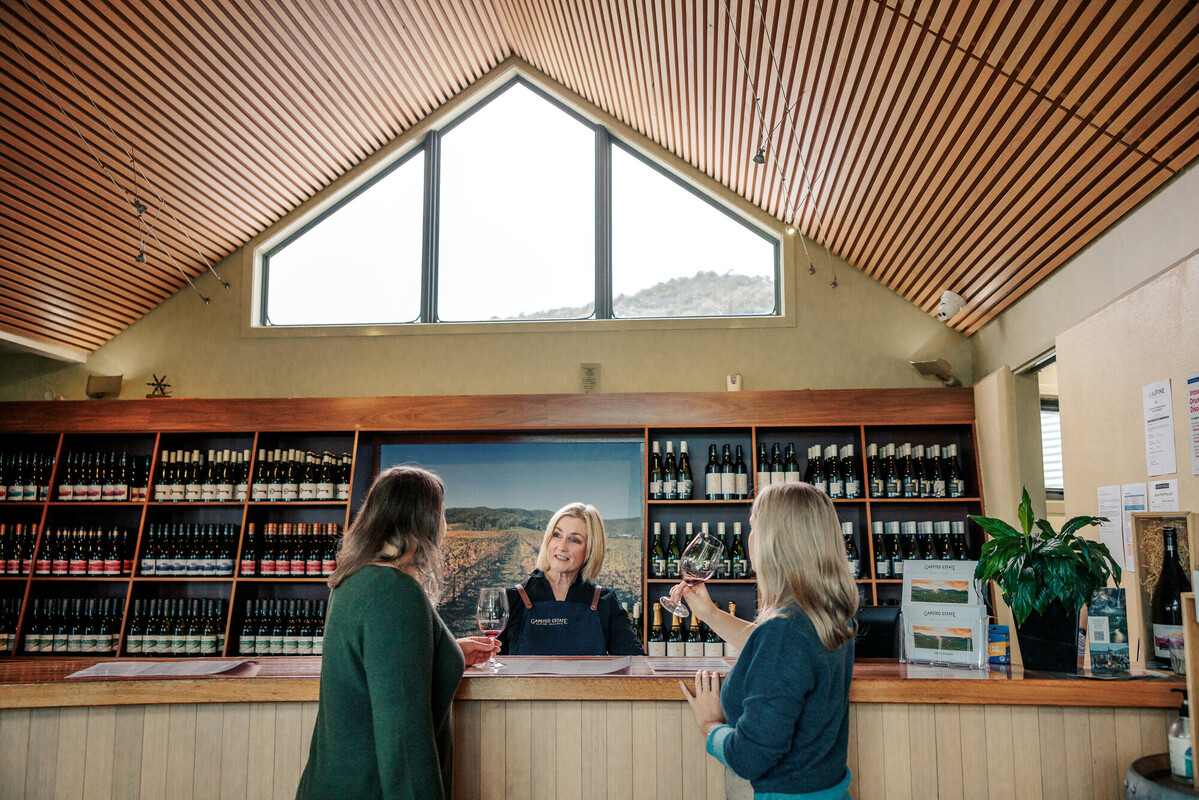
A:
[388,677]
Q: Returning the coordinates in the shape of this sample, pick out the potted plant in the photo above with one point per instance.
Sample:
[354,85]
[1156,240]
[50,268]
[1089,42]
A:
[1046,577]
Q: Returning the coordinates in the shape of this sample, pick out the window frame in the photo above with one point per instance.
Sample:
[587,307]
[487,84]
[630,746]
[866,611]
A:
[428,142]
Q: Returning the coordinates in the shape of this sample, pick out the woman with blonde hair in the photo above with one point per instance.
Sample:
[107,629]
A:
[390,666]
[781,720]
[559,610]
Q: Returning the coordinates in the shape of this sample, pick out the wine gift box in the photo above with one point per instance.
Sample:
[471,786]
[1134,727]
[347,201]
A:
[1148,551]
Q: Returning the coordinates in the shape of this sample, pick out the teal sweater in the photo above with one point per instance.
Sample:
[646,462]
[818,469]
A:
[388,677]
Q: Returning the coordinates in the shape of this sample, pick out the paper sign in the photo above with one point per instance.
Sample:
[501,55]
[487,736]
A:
[1132,498]
[1193,419]
[1111,533]
[949,582]
[1159,429]
[147,669]
[1163,495]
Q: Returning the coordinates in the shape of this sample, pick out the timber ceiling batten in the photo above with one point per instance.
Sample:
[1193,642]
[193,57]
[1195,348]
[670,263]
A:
[974,145]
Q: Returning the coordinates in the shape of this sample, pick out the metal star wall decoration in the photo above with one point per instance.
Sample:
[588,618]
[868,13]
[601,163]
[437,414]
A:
[161,387]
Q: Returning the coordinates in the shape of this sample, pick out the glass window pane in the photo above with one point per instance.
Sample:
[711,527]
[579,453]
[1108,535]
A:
[361,265]
[516,235]
[676,255]
[1051,448]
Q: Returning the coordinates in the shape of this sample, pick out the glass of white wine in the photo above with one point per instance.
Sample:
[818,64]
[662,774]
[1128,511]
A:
[697,564]
[492,616]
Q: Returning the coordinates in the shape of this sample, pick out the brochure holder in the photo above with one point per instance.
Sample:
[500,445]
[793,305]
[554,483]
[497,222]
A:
[944,616]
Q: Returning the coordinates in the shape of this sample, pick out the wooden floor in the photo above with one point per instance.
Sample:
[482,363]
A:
[571,749]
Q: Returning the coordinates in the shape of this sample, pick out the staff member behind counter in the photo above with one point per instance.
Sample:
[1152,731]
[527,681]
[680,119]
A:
[558,610]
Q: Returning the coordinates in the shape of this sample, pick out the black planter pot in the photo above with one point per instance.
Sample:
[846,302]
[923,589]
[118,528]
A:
[1049,641]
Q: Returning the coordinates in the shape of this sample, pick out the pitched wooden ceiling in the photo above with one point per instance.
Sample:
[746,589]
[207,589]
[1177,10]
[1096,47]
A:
[973,145]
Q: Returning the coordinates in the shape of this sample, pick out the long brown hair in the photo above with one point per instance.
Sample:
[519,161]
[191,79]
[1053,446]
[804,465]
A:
[405,508]
[796,547]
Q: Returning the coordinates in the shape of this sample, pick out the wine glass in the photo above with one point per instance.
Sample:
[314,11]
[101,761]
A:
[697,564]
[492,616]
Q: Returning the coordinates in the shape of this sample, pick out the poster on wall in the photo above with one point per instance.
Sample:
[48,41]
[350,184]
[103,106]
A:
[1133,497]
[1160,457]
[1193,419]
[1111,533]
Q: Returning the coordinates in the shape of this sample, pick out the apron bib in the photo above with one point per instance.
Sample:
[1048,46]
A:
[560,628]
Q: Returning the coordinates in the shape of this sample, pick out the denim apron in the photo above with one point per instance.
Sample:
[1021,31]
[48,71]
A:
[560,628]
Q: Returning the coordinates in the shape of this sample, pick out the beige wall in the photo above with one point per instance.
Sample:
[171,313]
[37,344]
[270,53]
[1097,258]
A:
[858,335]
[1148,335]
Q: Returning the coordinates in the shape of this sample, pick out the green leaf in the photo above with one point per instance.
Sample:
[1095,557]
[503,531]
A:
[996,528]
[1025,513]
[1081,522]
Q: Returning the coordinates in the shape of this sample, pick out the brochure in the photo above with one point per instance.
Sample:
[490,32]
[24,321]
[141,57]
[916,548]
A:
[944,616]
[941,582]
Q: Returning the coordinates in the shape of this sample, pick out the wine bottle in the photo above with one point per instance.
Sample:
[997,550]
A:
[657,553]
[712,476]
[809,473]
[713,645]
[955,481]
[740,476]
[307,479]
[944,541]
[325,486]
[657,641]
[790,466]
[1166,608]
[738,554]
[832,473]
[728,475]
[686,488]
[694,646]
[673,552]
[676,645]
[778,473]
[960,547]
[762,473]
[892,483]
[849,474]
[730,649]
[670,475]
[894,549]
[874,475]
[911,546]
[851,550]
[882,561]
[655,473]
[928,546]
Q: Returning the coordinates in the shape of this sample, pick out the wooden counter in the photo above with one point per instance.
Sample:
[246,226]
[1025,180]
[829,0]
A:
[245,734]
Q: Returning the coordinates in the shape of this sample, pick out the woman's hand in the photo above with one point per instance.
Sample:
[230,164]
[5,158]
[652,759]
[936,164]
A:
[477,649]
[697,599]
[705,703]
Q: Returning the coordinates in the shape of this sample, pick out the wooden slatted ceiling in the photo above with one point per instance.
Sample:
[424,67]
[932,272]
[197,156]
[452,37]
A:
[973,145]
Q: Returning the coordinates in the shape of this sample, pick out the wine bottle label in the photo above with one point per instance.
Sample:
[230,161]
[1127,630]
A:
[791,476]
[191,492]
[882,568]
[730,650]
[112,566]
[892,488]
[259,492]
[276,644]
[685,489]
[318,644]
[712,485]
[777,476]
[324,491]
[693,649]
[266,567]
[724,568]
[208,644]
[1161,639]
[33,643]
[247,645]
[274,491]
[741,484]
[58,643]
[291,645]
[289,491]
[88,643]
[60,566]
[43,566]
[305,645]
[133,644]
[307,491]
[670,489]
[177,491]
[312,568]
[26,566]
[224,566]
[328,565]
[675,649]
[938,488]
[95,493]
[107,493]
[120,493]
[224,492]
[298,567]
[713,649]
[248,566]
[77,566]
[239,492]
[740,568]
[12,567]
[74,643]
[208,492]
[192,643]
[193,566]
[836,490]
[898,568]
[657,649]
[672,569]
[728,483]
[95,566]
[957,488]
[911,488]
[343,491]
[66,492]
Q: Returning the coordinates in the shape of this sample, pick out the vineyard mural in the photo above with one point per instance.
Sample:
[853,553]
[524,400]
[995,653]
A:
[500,497]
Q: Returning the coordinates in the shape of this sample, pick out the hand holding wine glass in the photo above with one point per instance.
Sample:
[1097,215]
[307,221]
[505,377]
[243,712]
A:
[492,616]
[698,564]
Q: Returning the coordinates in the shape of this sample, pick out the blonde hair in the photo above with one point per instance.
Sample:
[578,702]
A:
[597,540]
[404,508]
[796,546]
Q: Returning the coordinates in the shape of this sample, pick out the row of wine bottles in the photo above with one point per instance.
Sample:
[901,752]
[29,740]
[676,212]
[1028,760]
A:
[85,552]
[25,477]
[178,550]
[190,477]
[283,475]
[177,626]
[913,472]
[894,543]
[283,628]
[74,625]
[291,550]
[686,638]
[16,547]
[665,555]
[103,478]
[10,614]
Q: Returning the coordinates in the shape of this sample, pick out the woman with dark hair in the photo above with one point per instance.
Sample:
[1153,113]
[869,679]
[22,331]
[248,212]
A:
[390,666]
[781,721]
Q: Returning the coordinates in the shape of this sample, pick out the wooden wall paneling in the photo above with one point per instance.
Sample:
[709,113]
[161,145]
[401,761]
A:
[871,779]
[695,773]
[1051,724]
[492,749]
[593,727]
[619,745]
[308,714]
[975,772]
[1128,739]
[260,752]
[518,728]
[1155,724]
[181,751]
[127,751]
[1026,753]
[897,751]
[851,757]
[98,753]
[289,749]
[41,763]
[68,768]
[1107,784]
[1079,779]
[210,733]
[924,754]
[669,749]
[569,750]
[645,748]
[1000,755]
[948,741]
[542,749]
[466,751]
[14,749]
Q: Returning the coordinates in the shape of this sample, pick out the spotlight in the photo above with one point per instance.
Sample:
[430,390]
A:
[833,285]
[139,208]
[140,257]
[760,156]
[811,268]
[790,230]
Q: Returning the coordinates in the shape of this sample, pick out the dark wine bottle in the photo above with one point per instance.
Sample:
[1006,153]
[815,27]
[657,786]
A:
[657,641]
[655,473]
[712,476]
[686,488]
[1166,608]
